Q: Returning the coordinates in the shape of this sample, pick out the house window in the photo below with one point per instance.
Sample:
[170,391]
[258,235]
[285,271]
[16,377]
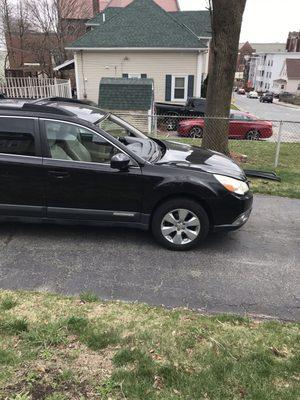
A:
[282,86]
[179,88]
[134,76]
[298,87]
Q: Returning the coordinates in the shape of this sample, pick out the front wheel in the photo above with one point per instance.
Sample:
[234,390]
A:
[196,132]
[180,224]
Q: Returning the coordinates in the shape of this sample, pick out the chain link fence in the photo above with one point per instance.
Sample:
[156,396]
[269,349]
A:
[259,143]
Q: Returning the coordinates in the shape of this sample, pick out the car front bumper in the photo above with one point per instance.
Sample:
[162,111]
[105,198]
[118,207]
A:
[238,223]
[234,212]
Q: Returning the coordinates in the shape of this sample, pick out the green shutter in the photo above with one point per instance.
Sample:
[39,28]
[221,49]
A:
[168,94]
[191,86]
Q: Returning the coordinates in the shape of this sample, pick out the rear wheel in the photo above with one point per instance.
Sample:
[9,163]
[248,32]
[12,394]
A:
[253,134]
[196,132]
[171,122]
[180,224]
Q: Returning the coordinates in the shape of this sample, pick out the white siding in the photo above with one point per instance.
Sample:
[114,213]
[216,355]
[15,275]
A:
[92,66]
[292,85]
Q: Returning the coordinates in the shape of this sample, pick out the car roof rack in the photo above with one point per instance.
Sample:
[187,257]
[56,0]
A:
[65,100]
[38,108]
[46,109]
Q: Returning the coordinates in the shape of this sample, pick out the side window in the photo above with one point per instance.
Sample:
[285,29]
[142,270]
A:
[17,136]
[72,142]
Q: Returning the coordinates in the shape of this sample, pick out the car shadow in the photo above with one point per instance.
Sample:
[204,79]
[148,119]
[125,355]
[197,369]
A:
[62,234]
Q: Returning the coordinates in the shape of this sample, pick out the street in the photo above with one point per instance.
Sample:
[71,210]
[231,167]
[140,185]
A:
[254,270]
[275,112]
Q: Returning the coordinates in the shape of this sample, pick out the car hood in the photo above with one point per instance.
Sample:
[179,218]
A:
[196,158]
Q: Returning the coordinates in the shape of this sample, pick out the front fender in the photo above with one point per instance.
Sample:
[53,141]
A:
[176,183]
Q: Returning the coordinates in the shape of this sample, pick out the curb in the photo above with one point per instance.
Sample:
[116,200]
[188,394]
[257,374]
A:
[288,105]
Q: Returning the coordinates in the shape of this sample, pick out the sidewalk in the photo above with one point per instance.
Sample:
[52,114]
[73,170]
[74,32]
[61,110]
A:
[289,105]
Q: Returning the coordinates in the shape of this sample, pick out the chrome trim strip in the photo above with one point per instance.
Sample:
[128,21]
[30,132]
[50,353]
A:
[123,214]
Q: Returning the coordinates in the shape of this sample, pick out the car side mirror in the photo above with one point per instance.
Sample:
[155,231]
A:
[120,161]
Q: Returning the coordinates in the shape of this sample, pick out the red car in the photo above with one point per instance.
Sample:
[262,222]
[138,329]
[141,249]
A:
[242,126]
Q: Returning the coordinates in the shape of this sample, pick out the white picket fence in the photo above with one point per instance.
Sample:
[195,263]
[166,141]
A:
[35,88]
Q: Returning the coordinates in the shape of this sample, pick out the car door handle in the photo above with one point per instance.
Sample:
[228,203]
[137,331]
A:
[59,174]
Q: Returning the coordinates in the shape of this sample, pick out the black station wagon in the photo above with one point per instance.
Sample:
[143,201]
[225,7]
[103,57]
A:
[67,162]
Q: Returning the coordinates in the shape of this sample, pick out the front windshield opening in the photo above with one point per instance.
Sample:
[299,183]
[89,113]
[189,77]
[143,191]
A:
[114,129]
[117,127]
[131,137]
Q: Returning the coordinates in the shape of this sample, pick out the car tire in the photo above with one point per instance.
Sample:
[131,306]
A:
[171,122]
[180,224]
[196,132]
[253,134]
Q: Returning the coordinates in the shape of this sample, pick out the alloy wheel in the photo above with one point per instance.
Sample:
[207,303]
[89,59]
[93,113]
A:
[196,132]
[253,135]
[180,226]
[171,124]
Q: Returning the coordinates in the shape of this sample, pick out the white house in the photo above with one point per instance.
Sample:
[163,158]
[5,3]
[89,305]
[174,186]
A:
[289,80]
[144,41]
[265,68]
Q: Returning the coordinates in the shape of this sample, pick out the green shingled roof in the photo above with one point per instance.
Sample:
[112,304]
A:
[141,24]
[126,94]
[196,21]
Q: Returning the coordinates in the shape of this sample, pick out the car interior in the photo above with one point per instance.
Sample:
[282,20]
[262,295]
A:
[70,142]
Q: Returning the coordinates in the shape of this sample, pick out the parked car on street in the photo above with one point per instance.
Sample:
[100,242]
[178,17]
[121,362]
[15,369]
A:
[71,163]
[252,95]
[266,98]
[194,107]
[242,125]
[241,91]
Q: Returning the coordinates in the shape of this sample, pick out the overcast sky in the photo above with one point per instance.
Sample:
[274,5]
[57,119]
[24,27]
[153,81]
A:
[264,20]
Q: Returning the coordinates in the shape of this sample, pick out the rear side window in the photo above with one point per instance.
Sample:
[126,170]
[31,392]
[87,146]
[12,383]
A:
[17,136]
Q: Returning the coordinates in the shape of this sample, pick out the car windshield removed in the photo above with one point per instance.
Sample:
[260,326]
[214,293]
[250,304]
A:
[132,138]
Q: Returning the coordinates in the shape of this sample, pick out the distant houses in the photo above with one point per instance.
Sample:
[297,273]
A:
[261,65]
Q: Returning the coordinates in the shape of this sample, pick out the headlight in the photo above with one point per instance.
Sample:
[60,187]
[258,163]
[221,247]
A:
[233,185]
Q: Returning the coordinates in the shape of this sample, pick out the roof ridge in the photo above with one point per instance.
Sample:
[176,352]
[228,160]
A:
[168,14]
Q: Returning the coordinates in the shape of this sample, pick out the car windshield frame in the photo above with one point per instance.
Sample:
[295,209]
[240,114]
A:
[157,152]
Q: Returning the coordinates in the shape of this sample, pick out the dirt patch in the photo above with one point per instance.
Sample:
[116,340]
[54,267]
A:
[71,371]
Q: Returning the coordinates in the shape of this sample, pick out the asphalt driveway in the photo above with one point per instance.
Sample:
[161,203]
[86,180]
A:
[254,270]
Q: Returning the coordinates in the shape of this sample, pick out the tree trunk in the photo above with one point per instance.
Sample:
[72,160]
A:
[226,18]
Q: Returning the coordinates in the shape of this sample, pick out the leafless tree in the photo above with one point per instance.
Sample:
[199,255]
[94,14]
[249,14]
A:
[6,13]
[226,18]
[56,20]
[40,30]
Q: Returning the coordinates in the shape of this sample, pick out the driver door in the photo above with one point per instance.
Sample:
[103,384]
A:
[80,183]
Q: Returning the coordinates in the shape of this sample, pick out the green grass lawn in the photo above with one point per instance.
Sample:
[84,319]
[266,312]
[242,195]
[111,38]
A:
[261,156]
[58,348]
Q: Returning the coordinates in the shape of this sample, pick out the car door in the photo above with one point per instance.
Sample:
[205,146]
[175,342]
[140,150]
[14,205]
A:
[80,181]
[21,174]
[236,125]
